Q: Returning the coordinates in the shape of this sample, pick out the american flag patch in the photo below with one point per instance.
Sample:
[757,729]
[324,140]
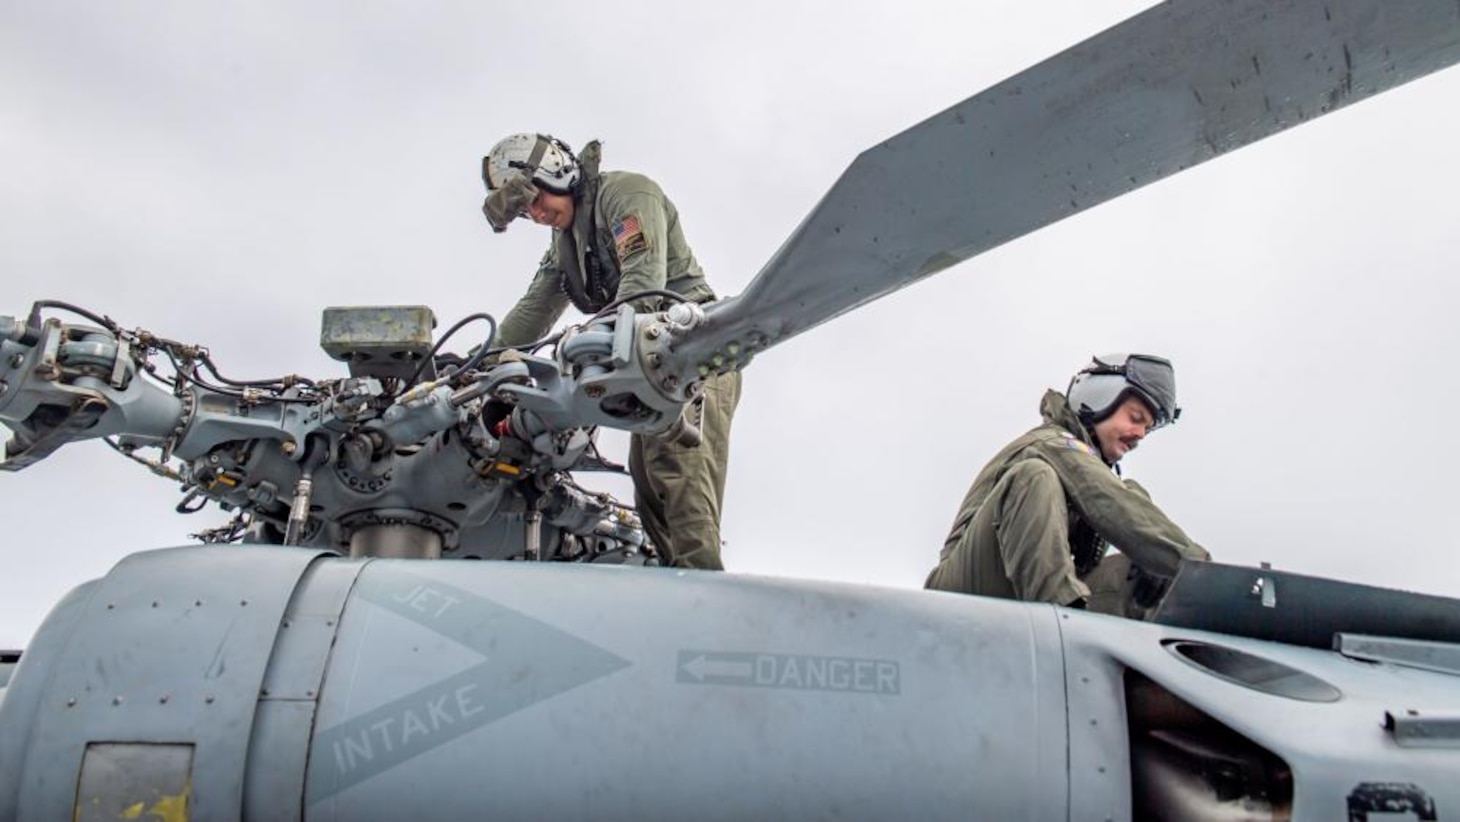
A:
[628,236]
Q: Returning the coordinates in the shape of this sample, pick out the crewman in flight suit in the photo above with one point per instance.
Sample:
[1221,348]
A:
[616,235]
[1036,524]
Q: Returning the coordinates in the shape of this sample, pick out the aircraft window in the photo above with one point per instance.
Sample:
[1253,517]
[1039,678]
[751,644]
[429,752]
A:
[1255,672]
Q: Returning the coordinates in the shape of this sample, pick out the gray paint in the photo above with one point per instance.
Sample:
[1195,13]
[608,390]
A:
[524,690]
[172,649]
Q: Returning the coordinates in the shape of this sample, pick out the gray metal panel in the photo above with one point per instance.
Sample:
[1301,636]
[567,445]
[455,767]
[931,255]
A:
[527,691]
[170,647]
[1336,749]
[284,723]
[1443,657]
[277,758]
[27,692]
[1099,763]
[1177,85]
[1433,729]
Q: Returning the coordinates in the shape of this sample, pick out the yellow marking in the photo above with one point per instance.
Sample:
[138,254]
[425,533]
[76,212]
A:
[507,468]
[172,808]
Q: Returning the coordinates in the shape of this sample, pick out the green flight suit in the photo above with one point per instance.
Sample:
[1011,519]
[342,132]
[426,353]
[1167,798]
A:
[626,238]
[1036,522]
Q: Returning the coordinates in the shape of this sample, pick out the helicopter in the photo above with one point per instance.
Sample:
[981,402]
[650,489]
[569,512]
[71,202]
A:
[1177,715]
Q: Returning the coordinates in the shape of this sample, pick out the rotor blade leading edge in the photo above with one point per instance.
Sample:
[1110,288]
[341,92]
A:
[1163,91]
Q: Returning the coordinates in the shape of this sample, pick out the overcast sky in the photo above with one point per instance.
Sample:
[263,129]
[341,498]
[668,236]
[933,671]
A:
[220,172]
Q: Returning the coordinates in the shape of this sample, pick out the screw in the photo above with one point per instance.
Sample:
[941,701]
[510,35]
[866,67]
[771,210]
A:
[16,360]
[655,361]
[288,447]
[594,391]
[652,332]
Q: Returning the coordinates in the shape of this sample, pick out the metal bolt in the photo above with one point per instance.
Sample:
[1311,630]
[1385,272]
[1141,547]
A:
[4,386]
[16,360]
[593,391]
[653,332]
[288,447]
[670,383]
[655,361]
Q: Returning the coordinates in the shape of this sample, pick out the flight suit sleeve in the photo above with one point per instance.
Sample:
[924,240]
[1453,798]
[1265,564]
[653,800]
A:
[1124,516]
[535,313]
[639,227]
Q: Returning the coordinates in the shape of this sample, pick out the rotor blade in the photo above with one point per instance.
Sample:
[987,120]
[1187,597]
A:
[1172,87]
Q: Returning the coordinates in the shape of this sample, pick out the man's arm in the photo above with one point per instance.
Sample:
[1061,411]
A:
[639,225]
[1126,517]
[533,315]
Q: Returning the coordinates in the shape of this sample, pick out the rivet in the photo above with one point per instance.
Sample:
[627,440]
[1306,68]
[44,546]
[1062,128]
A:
[208,699]
[154,603]
[116,700]
[163,699]
[243,603]
[71,703]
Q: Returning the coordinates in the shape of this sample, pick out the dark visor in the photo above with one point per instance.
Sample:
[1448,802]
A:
[1155,378]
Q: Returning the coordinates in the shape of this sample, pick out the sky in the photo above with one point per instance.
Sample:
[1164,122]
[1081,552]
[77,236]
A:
[219,173]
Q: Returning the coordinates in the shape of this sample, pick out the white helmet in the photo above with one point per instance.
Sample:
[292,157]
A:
[1101,386]
[546,160]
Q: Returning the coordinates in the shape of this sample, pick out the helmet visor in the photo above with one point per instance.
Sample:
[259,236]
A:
[1154,378]
[510,201]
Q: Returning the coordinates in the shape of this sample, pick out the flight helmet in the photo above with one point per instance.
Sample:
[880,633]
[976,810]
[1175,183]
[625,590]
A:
[1100,387]
[517,167]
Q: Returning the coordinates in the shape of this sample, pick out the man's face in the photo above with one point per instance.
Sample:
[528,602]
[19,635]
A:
[551,209]
[1119,433]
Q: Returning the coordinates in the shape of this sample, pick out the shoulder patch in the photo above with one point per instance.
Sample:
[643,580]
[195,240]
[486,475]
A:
[628,237]
[1078,445]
